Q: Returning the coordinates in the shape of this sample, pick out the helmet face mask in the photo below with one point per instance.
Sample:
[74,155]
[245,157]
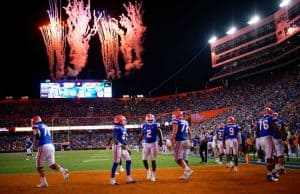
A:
[150,118]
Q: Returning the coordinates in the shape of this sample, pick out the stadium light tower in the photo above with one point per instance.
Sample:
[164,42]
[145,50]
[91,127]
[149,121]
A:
[232,30]
[212,39]
[284,3]
[254,20]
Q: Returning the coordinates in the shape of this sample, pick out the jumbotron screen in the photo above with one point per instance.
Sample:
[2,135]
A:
[76,89]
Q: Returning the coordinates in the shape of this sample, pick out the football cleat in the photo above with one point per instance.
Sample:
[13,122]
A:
[42,185]
[148,174]
[272,179]
[274,174]
[153,177]
[130,180]
[66,174]
[228,165]
[235,169]
[182,177]
[188,173]
[113,182]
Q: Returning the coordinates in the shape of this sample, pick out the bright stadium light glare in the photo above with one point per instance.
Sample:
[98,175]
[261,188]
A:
[212,39]
[254,20]
[232,30]
[284,3]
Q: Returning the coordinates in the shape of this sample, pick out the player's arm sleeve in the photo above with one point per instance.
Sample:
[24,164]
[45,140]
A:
[224,134]
[141,137]
[284,133]
[109,140]
[160,136]
[37,135]
[275,127]
[239,135]
[190,134]
[174,132]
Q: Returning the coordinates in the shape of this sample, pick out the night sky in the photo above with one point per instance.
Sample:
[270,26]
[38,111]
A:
[176,51]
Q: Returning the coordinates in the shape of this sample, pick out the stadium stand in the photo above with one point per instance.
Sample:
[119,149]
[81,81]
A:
[257,67]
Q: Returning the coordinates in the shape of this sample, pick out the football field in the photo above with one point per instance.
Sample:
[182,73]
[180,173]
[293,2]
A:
[90,173]
[83,160]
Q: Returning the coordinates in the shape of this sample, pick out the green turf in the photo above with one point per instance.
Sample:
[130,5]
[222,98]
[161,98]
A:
[81,161]
[11,163]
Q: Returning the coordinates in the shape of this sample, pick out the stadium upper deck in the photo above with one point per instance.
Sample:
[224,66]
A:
[262,45]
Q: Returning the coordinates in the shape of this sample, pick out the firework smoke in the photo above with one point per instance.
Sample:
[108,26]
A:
[132,36]
[125,36]
[79,34]
[108,35]
[55,41]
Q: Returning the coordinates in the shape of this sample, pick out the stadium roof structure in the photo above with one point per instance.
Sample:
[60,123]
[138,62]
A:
[269,43]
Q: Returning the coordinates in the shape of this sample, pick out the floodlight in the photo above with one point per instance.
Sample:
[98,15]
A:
[285,3]
[254,20]
[212,39]
[232,30]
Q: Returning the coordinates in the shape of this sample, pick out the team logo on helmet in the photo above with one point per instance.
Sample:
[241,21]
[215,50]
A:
[177,115]
[268,111]
[36,119]
[230,120]
[120,119]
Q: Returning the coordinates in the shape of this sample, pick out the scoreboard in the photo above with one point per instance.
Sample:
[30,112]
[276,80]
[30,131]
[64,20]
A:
[76,89]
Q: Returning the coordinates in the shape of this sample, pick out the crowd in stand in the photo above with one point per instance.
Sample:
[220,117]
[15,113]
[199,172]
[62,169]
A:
[267,58]
[278,89]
